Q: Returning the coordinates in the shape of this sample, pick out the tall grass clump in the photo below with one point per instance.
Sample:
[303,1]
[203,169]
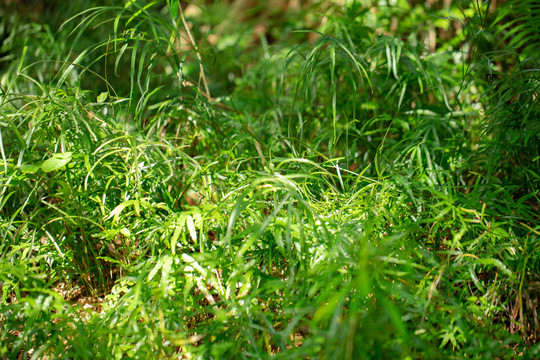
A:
[225,180]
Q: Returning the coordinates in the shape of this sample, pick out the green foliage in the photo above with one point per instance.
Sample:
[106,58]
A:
[318,181]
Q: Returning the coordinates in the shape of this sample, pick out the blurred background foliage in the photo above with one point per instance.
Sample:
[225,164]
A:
[258,179]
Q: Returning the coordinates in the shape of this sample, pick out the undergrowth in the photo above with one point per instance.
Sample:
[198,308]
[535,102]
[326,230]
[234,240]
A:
[312,181]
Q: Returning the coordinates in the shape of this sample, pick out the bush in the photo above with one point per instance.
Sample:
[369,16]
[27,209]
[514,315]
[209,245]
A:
[310,180]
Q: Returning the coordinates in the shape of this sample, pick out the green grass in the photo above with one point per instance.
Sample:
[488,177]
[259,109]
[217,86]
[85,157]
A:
[351,181]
